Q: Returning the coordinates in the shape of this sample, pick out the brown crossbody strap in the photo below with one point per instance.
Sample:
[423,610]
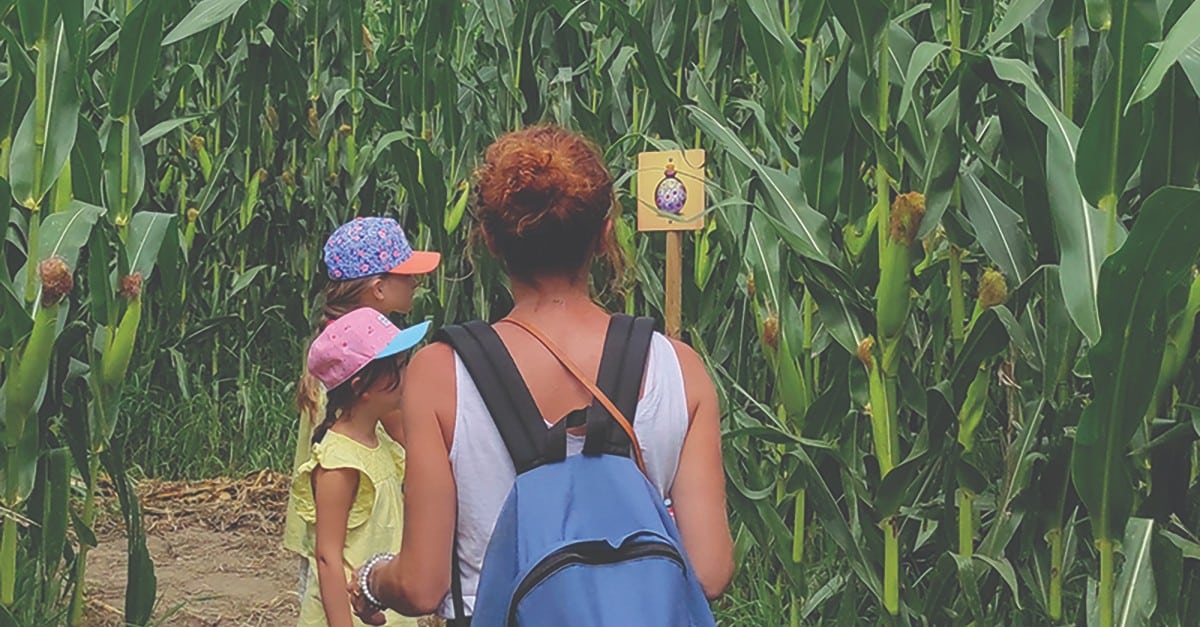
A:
[587,383]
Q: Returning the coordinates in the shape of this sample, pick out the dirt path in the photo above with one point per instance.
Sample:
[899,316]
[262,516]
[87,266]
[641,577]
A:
[216,551]
[205,578]
[217,554]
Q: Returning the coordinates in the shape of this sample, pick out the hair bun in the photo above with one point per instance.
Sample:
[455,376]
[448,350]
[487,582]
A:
[541,189]
[536,186]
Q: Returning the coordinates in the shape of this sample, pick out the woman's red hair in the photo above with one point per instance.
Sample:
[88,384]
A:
[543,195]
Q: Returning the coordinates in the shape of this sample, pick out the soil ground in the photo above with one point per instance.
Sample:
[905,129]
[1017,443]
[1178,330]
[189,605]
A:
[216,551]
[205,578]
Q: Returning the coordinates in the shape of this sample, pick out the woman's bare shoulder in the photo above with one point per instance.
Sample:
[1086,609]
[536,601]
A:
[429,388]
[436,357]
[696,380]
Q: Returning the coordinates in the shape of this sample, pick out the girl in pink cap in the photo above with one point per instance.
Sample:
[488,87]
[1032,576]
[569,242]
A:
[348,494]
[369,263]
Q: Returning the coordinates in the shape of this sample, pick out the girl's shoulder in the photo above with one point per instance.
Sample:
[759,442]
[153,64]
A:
[375,466]
[393,450]
[338,451]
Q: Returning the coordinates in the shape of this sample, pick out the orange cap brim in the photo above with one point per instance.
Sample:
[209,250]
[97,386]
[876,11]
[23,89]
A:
[420,262]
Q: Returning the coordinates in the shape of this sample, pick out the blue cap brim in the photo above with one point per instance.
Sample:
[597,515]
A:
[405,339]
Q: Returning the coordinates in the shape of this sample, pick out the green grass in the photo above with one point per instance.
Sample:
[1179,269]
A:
[246,426]
[754,597]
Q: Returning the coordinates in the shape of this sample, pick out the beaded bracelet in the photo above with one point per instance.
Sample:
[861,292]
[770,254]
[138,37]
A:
[364,575]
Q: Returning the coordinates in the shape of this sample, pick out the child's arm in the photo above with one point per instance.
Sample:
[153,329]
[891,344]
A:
[334,492]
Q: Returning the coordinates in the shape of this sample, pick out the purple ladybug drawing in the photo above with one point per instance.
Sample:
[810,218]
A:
[670,196]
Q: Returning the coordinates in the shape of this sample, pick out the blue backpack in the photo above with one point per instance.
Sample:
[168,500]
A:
[584,540]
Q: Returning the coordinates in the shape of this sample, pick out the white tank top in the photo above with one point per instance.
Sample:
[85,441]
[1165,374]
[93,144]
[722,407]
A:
[484,473]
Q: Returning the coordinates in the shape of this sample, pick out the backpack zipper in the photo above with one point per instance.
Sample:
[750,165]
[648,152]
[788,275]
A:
[598,553]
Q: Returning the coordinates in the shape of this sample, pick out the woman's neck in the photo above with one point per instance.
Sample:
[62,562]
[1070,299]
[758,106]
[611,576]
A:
[550,296]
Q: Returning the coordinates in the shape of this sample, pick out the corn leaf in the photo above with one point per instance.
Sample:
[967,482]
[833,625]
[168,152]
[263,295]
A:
[15,95]
[822,149]
[6,210]
[162,128]
[1082,232]
[799,224]
[998,228]
[65,233]
[146,233]
[124,166]
[1183,36]
[141,582]
[925,53]
[864,21]
[1135,588]
[835,522]
[137,57]
[1170,159]
[1190,62]
[942,160]
[87,165]
[839,316]
[1111,143]
[205,15]
[1134,283]
[37,19]
[15,323]
[39,152]
[56,512]
[1016,13]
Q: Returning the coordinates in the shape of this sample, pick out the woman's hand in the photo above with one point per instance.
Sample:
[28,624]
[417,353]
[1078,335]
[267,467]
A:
[365,611]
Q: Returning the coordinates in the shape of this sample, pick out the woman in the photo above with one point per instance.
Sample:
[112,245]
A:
[544,208]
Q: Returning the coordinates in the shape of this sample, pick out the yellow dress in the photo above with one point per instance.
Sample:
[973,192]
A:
[295,527]
[376,516]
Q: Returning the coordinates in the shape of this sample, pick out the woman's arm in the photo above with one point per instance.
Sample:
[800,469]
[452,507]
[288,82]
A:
[698,494]
[334,491]
[417,579]
[393,423]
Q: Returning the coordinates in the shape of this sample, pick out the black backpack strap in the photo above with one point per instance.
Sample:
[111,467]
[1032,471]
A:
[456,593]
[622,367]
[504,392]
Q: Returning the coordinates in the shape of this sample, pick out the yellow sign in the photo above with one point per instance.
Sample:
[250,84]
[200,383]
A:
[670,188]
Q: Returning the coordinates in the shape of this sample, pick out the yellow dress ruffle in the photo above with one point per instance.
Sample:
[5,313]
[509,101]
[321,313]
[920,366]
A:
[294,527]
[376,515]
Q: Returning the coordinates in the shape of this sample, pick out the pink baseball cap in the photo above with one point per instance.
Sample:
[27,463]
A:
[356,339]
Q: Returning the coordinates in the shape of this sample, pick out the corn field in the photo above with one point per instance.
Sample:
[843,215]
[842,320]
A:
[947,285]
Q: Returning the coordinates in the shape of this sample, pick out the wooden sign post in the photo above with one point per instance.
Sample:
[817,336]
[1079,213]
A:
[670,194]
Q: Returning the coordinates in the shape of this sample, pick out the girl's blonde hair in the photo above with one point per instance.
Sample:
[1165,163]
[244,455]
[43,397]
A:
[337,299]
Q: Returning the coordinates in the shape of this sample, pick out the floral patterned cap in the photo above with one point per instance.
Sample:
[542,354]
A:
[369,246]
